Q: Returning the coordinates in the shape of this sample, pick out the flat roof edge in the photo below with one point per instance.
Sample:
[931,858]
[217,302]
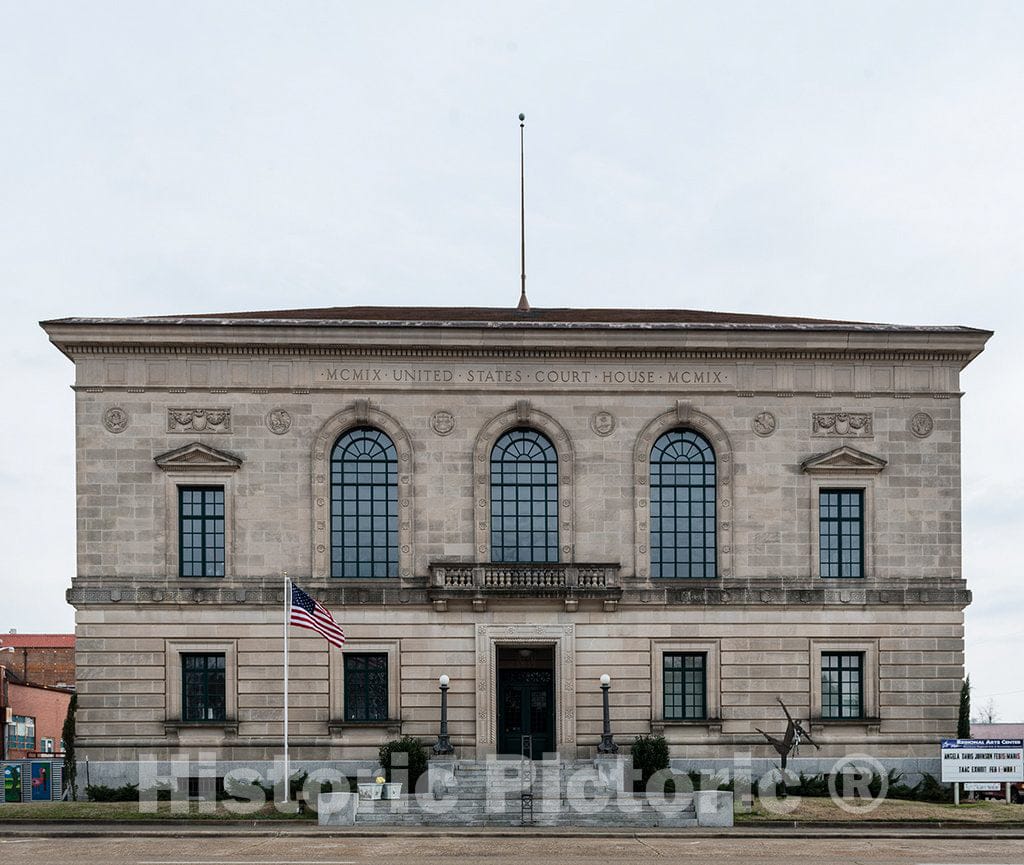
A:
[796,327]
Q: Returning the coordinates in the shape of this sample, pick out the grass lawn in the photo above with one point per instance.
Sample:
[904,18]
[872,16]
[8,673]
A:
[809,810]
[823,809]
[30,811]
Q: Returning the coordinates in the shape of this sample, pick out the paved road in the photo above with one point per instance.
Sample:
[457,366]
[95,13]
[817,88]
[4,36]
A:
[306,850]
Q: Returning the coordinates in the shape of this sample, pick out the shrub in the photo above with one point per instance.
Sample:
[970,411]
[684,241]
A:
[701,781]
[103,793]
[650,755]
[928,789]
[416,757]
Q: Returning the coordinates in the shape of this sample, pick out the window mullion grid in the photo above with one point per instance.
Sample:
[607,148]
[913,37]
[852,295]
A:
[683,507]
[840,535]
[364,488]
[684,686]
[206,688]
[524,498]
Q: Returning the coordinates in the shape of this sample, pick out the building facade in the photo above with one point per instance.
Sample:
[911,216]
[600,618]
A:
[36,720]
[716,510]
[44,659]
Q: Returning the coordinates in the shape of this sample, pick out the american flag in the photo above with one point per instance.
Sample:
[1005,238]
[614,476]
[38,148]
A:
[310,613]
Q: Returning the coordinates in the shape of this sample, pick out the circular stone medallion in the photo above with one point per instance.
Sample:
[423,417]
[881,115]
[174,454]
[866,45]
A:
[442,422]
[763,424]
[279,421]
[921,425]
[115,419]
[603,423]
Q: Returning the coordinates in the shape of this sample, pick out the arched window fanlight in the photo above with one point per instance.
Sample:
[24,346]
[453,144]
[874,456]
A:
[364,505]
[683,527]
[524,498]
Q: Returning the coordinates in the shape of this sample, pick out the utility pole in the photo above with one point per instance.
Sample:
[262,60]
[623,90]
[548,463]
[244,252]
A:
[3,702]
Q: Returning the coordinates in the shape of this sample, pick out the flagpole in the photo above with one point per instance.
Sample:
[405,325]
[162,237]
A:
[287,616]
[524,304]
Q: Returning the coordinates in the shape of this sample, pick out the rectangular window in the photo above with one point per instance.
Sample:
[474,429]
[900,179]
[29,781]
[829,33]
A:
[21,733]
[366,687]
[203,688]
[201,531]
[842,685]
[841,532]
[685,678]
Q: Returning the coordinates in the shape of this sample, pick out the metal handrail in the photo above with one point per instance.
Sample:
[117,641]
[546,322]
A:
[526,779]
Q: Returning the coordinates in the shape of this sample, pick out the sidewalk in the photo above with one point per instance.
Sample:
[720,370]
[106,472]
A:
[267,829]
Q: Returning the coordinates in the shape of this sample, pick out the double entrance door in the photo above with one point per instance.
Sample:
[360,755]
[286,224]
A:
[526,699]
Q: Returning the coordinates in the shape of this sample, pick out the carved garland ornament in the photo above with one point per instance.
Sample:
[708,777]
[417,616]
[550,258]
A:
[842,424]
[193,420]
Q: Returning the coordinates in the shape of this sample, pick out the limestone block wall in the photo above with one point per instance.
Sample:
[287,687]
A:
[127,524]
[274,402]
[126,656]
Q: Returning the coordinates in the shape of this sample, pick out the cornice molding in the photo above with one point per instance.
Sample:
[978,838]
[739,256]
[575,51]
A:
[774,593]
[510,352]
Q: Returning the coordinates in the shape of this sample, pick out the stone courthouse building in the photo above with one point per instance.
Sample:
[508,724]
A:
[716,510]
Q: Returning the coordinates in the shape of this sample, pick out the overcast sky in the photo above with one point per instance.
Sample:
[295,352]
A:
[844,160]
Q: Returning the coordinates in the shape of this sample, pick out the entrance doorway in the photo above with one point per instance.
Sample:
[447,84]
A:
[526,698]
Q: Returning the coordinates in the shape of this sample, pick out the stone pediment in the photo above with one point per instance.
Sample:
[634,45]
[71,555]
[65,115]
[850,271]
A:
[844,460]
[198,457]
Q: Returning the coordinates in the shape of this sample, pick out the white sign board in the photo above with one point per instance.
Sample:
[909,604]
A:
[983,787]
[992,760]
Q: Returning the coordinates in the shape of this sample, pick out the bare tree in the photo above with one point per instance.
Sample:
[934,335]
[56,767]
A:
[987,714]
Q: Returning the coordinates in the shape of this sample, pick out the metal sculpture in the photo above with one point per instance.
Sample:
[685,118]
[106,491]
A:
[790,742]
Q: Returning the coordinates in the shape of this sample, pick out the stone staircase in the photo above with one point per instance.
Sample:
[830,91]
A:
[490,793]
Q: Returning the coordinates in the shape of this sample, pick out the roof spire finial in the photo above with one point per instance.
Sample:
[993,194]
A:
[524,304]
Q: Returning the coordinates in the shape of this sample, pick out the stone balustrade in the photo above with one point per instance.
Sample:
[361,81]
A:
[524,579]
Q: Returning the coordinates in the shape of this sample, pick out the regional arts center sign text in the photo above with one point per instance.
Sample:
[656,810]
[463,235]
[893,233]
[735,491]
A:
[971,760]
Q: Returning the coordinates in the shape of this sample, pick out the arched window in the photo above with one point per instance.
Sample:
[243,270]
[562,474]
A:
[364,505]
[682,506]
[524,498]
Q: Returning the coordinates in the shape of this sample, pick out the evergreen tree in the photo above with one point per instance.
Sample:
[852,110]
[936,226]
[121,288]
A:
[68,735]
[963,724]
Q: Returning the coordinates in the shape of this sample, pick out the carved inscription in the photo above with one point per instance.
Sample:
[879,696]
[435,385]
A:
[596,376]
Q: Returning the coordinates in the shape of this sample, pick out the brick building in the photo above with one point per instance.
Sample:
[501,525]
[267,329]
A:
[43,659]
[37,714]
[716,510]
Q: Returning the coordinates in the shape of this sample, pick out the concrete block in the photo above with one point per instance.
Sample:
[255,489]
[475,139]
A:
[337,809]
[615,773]
[440,777]
[714,807]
